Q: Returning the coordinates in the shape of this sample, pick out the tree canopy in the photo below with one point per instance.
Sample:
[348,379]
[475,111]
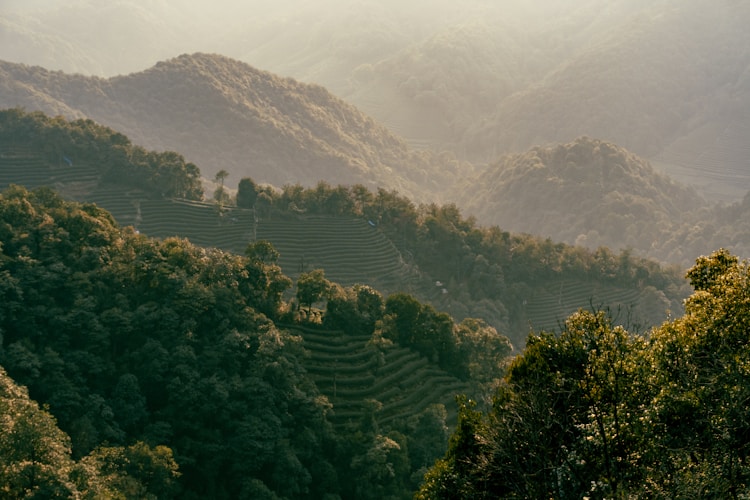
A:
[597,411]
[115,158]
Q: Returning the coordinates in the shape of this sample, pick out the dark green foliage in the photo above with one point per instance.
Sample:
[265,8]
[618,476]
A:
[312,287]
[35,458]
[488,271]
[598,412]
[354,309]
[132,340]
[247,193]
[421,327]
[116,159]
[128,338]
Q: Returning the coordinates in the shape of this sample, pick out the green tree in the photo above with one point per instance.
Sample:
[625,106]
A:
[220,195]
[701,365]
[565,422]
[482,350]
[247,193]
[35,457]
[312,287]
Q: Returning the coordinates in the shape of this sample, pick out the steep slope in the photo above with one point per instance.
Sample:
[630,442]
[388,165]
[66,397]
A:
[224,114]
[592,193]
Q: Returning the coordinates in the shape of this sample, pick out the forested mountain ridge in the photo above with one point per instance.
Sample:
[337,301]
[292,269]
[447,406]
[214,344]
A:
[97,317]
[249,123]
[594,193]
[130,339]
[382,239]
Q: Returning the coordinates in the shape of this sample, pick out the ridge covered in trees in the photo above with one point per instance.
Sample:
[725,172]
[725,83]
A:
[115,159]
[510,280]
[490,272]
[145,344]
[598,411]
[594,193]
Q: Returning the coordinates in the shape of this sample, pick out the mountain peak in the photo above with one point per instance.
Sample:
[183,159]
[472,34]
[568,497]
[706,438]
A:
[223,114]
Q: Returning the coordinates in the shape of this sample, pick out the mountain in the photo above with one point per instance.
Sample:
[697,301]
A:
[226,115]
[594,193]
[667,81]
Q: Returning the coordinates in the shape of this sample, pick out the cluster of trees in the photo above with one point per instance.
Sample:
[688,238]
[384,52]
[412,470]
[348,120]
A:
[36,461]
[486,266]
[167,374]
[115,157]
[130,339]
[600,412]
[471,350]
[438,234]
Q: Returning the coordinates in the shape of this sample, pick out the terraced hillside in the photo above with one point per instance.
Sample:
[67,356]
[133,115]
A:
[30,169]
[547,308]
[349,249]
[353,374]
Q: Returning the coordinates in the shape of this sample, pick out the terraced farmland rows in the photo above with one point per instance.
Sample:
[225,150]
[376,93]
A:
[349,249]
[31,170]
[350,372]
[22,168]
[549,307]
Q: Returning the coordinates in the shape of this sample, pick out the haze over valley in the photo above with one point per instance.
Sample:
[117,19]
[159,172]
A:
[667,81]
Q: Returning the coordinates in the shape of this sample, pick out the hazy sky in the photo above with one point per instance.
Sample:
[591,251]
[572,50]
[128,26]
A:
[114,37]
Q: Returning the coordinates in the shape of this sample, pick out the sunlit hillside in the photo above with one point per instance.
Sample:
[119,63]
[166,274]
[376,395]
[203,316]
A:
[229,116]
[594,193]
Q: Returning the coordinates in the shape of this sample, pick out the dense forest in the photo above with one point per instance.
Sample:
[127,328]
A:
[164,371]
[192,360]
[175,350]
[116,159]
[486,268]
[490,273]
[597,411]
[405,269]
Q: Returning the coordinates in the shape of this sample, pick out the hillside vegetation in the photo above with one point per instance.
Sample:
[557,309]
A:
[512,281]
[623,415]
[248,123]
[593,193]
[226,115]
[147,349]
[667,81]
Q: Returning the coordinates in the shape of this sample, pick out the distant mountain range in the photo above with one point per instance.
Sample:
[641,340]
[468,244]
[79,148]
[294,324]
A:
[594,193]
[668,81]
